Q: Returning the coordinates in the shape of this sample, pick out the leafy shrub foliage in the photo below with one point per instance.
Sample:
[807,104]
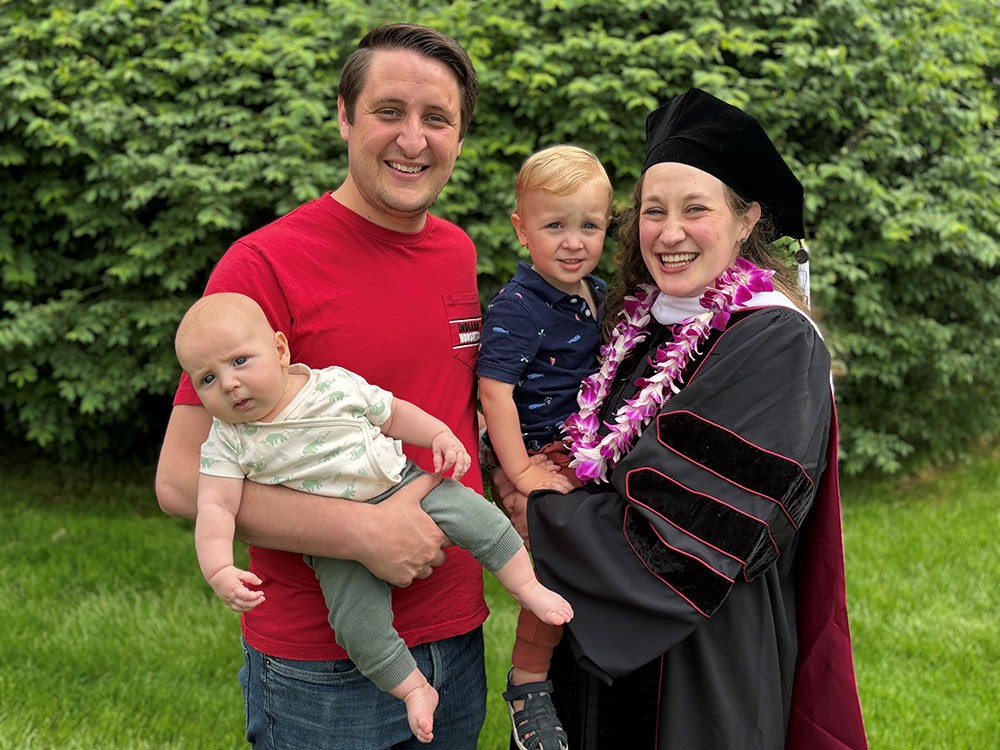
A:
[140,137]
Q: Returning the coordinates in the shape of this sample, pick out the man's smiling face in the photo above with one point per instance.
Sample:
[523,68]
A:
[404,140]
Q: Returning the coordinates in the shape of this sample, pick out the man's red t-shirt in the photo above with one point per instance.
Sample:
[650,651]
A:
[402,311]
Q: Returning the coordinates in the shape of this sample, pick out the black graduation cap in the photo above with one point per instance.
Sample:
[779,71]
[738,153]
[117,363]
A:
[702,131]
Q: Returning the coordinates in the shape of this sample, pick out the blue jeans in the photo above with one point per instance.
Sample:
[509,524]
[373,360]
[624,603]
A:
[330,705]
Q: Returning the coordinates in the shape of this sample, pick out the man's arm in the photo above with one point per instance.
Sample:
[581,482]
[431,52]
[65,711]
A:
[394,539]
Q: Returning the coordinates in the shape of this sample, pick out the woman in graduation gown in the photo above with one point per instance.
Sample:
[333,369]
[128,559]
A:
[703,554]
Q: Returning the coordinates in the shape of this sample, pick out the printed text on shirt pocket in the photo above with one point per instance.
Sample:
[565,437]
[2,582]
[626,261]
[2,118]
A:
[465,321]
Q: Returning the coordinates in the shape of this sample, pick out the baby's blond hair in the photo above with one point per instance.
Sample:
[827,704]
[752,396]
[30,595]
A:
[561,170]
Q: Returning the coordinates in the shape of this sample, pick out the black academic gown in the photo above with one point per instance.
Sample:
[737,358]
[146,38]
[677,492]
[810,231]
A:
[682,568]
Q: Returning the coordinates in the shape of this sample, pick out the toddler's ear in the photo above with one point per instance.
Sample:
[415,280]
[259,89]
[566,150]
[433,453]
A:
[519,228]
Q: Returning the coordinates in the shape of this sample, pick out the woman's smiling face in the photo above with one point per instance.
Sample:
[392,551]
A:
[688,232]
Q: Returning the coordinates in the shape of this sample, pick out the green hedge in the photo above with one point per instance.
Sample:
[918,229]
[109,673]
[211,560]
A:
[139,138]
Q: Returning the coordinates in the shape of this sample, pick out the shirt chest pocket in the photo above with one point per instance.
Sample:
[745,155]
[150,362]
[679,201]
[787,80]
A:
[465,324]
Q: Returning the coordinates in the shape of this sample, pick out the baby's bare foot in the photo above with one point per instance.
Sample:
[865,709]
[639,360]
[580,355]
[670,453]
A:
[420,704]
[547,605]
[558,615]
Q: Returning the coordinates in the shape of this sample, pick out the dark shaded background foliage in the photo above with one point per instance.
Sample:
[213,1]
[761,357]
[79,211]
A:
[140,137]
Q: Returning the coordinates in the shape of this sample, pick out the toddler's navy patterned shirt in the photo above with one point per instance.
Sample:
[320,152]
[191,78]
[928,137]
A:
[543,342]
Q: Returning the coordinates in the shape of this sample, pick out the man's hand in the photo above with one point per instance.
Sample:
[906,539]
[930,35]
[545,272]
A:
[401,541]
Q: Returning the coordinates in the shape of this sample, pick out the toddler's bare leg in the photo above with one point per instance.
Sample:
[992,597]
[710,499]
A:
[421,699]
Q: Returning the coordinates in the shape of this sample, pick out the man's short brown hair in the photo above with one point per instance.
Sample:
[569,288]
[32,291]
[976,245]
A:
[427,42]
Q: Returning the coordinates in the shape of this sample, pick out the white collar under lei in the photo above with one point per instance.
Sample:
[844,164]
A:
[743,285]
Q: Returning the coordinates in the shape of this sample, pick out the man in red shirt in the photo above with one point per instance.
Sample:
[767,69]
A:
[364,278]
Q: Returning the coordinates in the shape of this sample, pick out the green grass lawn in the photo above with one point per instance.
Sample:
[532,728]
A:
[110,639]
[923,580]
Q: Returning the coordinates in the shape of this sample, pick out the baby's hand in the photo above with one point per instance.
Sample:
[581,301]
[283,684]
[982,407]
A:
[537,477]
[449,452]
[229,585]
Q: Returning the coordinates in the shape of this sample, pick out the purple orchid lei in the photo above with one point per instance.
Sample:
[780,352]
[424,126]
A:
[593,456]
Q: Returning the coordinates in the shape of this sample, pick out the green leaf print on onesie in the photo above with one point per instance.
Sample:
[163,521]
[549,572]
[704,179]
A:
[314,446]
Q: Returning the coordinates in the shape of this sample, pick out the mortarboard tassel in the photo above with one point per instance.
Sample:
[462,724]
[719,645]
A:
[802,258]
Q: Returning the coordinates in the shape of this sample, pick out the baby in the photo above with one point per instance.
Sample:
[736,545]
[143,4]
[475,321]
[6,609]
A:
[331,433]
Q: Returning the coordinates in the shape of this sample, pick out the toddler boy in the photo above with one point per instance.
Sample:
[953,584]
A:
[541,337]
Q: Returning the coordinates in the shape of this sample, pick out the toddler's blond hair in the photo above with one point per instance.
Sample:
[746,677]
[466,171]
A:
[561,170]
